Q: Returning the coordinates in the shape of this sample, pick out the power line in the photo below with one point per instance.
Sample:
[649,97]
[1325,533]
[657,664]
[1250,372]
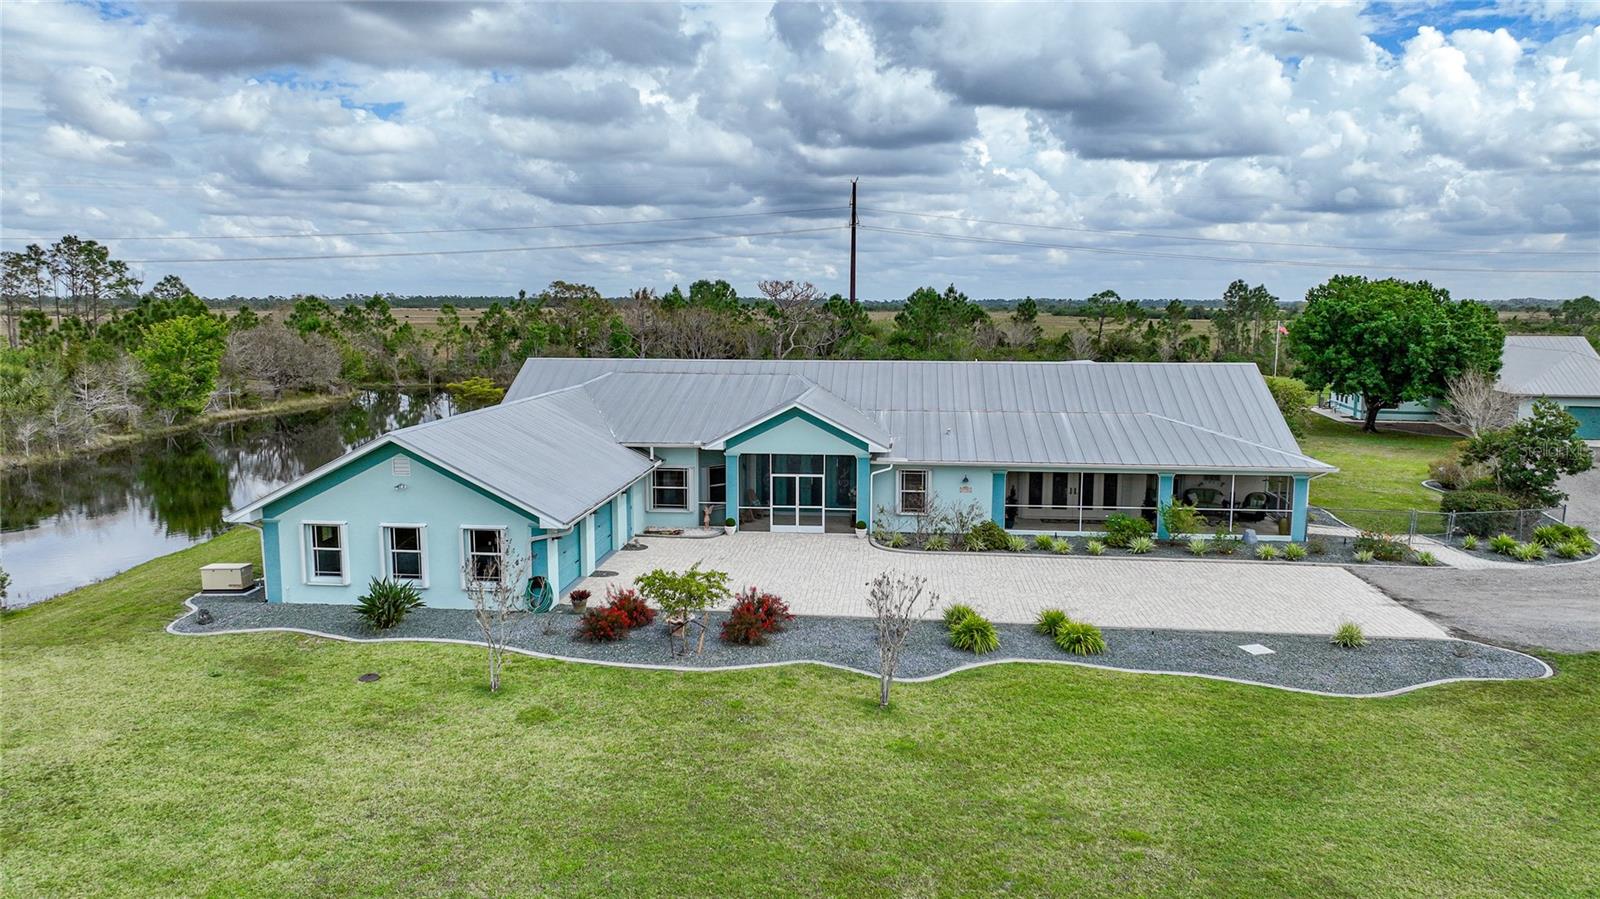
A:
[1229,259]
[1225,240]
[483,251]
[299,234]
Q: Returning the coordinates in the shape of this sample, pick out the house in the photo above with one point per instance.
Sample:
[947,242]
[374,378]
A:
[583,454]
[1564,369]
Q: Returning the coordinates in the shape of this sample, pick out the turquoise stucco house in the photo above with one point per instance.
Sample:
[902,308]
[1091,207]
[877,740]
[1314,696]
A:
[583,454]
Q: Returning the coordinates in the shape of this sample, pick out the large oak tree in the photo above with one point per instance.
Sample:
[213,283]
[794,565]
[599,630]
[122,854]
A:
[1391,341]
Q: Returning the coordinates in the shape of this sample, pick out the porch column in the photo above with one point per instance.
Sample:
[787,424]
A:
[997,505]
[271,564]
[1302,498]
[864,490]
[730,491]
[1163,499]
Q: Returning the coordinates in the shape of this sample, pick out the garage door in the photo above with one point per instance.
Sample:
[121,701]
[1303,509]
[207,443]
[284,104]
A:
[569,556]
[602,532]
[1588,421]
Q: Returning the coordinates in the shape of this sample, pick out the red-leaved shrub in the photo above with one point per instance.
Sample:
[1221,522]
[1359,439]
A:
[755,615]
[632,607]
[602,625]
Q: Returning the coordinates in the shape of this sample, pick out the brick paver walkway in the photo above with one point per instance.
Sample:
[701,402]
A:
[827,575]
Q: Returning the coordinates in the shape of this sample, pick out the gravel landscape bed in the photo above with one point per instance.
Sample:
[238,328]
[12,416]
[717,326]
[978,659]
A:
[1297,662]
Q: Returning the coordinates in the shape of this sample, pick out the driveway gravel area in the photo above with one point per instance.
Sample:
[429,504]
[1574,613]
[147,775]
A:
[1304,663]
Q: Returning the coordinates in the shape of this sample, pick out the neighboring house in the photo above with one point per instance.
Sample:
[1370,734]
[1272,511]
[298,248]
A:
[585,453]
[1565,369]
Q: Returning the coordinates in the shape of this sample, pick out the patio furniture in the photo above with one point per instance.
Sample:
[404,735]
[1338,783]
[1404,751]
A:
[1205,498]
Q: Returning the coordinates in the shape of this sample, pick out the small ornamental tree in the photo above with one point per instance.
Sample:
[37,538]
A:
[1390,341]
[897,601]
[495,592]
[686,597]
[1531,455]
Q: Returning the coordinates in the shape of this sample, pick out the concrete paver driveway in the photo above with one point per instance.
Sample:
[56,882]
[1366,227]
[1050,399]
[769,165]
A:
[827,575]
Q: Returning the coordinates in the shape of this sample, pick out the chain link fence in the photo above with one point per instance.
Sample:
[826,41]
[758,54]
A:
[1409,524]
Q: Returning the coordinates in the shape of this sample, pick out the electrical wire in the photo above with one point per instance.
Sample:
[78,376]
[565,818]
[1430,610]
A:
[394,254]
[1154,254]
[1222,240]
[298,234]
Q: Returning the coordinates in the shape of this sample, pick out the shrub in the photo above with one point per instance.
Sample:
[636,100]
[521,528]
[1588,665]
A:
[1527,552]
[1317,546]
[955,612]
[987,535]
[896,540]
[1574,550]
[1266,552]
[1453,474]
[1049,621]
[1120,529]
[1553,535]
[754,615]
[1481,512]
[1469,542]
[1080,638]
[1141,545]
[1383,547]
[1015,544]
[1225,544]
[1180,519]
[860,525]
[1294,552]
[1426,558]
[1503,544]
[1364,556]
[1095,548]
[1348,636]
[1063,547]
[975,634]
[1199,546]
[602,625]
[386,602]
[1044,542]
[630,605]
[730,521]
[936,543]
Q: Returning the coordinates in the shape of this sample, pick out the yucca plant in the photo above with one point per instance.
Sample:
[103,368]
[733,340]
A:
[937,543]
[1016,544]
[975,634]
[1424,557]
[1266,552]
[1140,545]
[1572,549]
[1080,638]
[1503,544]
[897,540]
[1469,542]
[1364,556]
[1049,621]
[1044,542]
[1199,546]
[955,612]
[1294,552]
[387,602]
[1527,552]
[1095,548]
[1063,547]
[1348,636]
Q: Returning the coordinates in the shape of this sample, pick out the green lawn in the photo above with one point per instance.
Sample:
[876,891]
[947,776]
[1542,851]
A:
[1376,471]
[139,762]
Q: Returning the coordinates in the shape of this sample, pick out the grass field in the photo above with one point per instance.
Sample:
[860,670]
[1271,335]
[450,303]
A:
[143,763]
[1376,471]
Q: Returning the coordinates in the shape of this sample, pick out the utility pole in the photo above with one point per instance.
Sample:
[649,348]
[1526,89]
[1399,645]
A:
[853,240]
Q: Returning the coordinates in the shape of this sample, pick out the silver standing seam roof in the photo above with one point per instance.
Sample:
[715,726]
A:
[1539,365]
[1139,415]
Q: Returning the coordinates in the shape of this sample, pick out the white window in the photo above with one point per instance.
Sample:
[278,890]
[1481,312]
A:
[669,489]
[483,553]
[913,491]
[325,551]
[405,553]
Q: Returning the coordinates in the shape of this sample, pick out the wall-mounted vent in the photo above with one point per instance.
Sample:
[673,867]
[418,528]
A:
[400,467]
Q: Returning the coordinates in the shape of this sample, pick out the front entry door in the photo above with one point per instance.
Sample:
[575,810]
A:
[797,503]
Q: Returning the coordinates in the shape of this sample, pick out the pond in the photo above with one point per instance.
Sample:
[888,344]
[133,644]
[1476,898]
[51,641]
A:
[75,522]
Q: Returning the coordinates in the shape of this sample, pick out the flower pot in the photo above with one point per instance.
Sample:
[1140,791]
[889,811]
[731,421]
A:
[728,529]
[861,532]
[579,603]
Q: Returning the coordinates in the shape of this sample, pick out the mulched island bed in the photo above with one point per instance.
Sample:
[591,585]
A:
[1300,662]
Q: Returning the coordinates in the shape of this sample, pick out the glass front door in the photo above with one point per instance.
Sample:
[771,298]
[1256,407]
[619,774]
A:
[797,494]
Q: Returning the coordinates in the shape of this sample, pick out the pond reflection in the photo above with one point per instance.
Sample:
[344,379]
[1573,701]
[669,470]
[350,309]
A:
[70,523]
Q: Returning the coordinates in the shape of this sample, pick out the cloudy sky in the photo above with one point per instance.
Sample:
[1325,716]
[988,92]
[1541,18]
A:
[1052,150]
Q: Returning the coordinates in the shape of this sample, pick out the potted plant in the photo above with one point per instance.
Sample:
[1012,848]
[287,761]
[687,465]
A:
[728,525]
[861,528]
[579,600]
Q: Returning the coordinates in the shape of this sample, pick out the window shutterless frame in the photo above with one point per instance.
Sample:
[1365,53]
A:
[912,497]
[399,560]
[669,490]
[481,557]
[324,553]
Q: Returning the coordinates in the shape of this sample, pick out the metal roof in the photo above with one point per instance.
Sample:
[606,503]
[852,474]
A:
[1538,365]
[1178,415]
